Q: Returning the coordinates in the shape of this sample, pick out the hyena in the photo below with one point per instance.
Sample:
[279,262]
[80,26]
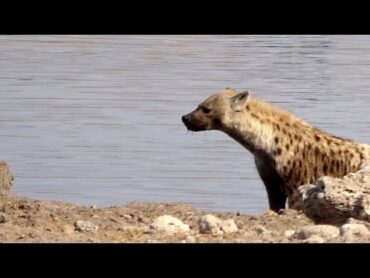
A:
[288,151]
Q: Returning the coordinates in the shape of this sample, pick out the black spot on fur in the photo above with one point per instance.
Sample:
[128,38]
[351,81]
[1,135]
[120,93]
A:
[276,140]
[359,153]
[332,168]
[298,178]
[317,138]
[325,169]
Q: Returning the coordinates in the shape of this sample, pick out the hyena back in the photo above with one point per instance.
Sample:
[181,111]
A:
[288,151]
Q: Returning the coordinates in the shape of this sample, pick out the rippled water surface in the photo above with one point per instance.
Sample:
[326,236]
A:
[96,119]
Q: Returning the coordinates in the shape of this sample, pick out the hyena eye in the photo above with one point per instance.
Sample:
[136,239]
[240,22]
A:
[205,110]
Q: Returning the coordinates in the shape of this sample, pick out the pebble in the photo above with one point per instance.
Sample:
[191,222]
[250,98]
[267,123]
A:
[85,226]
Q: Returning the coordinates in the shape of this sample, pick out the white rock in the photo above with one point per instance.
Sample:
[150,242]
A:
[354,230]
[85,226]
[210,224]
[229,226]
[324,231]
[289,233]
[337,198]
[356,221]
[169,225]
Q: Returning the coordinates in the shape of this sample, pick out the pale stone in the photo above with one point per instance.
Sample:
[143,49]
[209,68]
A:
[324,231]
[169,225]
[85,226]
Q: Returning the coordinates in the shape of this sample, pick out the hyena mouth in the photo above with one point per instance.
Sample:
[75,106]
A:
[190,126]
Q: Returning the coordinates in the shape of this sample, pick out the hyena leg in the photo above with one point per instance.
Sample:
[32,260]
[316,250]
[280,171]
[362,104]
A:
[273,182]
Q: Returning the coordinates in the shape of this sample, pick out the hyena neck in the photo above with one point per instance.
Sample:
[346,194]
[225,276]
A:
[260,127]
[246,139]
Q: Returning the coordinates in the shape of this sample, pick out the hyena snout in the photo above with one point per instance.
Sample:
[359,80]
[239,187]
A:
[186,120]
[192,123]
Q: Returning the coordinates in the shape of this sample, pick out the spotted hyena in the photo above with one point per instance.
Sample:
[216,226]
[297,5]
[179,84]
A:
[288,151]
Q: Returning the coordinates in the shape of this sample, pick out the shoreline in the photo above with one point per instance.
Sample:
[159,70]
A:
[30,220]
[26,220]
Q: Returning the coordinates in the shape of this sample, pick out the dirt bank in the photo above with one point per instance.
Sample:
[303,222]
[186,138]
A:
[27,220]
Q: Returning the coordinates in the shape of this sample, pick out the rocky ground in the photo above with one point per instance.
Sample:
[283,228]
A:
[27,220]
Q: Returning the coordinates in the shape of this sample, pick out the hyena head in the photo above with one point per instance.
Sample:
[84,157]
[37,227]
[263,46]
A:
[214,112]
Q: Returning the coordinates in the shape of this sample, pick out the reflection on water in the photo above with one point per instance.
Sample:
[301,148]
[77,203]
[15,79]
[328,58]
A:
[96,119]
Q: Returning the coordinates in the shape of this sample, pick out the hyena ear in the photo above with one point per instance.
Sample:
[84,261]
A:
[239,102]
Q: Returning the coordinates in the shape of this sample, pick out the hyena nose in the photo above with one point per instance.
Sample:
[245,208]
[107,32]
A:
[183,118]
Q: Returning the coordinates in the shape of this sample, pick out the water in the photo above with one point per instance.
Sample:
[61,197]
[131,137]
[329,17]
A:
[96,119]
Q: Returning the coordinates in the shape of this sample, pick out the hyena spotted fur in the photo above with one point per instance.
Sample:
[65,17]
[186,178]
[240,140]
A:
[288,151]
